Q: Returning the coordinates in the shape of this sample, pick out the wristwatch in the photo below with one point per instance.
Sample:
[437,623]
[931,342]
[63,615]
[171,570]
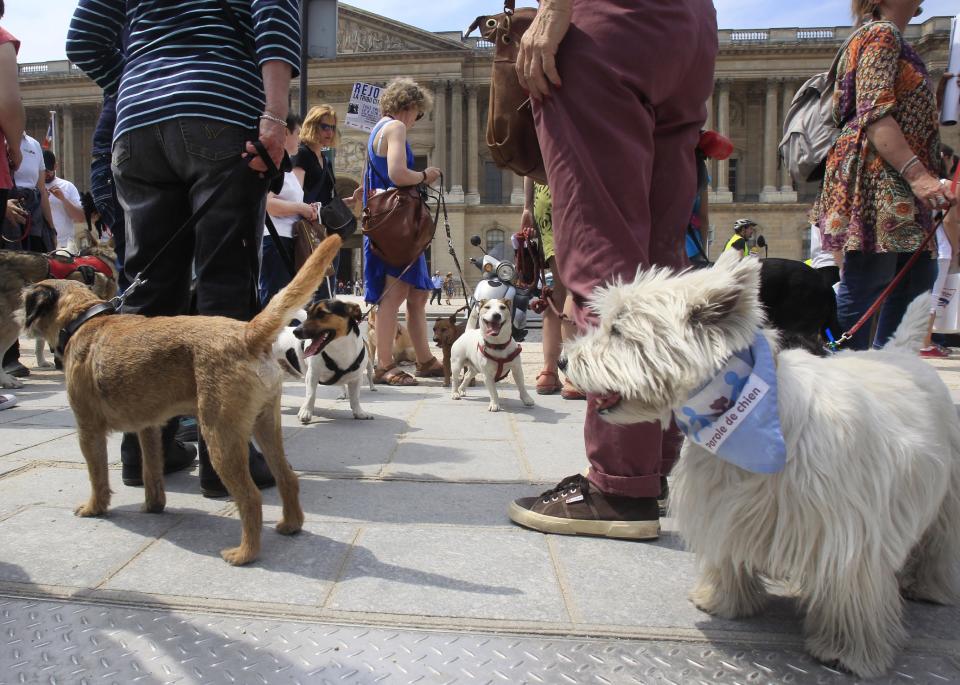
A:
[424,176]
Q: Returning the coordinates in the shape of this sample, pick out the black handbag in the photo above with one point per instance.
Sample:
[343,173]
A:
[335,216]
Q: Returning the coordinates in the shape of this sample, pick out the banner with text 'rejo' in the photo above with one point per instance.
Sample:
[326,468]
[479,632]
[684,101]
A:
[363,112]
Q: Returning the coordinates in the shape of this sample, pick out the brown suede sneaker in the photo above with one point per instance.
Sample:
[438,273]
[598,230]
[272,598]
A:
[576,507]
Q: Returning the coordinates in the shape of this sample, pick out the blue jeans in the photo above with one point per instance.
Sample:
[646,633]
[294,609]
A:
[864,278]
[274,275]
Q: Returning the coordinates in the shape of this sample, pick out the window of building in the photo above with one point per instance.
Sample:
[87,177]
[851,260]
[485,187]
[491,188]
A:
[492,185]
[495,242]
[732,177]
[420,162]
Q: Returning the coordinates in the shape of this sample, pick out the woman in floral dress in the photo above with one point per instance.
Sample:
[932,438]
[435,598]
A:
[878,191]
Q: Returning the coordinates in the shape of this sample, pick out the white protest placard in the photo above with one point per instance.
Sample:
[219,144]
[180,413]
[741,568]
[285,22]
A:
[363,111]
[951,96]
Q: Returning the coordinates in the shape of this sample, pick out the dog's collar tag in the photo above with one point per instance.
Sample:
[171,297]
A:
[67,332]
[735,415]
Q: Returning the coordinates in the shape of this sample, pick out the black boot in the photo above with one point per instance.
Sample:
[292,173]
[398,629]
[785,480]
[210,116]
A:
[176,455]
[210,484]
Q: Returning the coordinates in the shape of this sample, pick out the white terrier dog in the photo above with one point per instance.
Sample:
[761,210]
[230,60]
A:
[866,508]
[490,350]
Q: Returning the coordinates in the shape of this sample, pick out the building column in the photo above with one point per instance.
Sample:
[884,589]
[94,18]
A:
[770,193]
[516,197]
[440,128]
[708,126]
[787,193]
[723,194]
[455,193]
[67,158]
[473,153]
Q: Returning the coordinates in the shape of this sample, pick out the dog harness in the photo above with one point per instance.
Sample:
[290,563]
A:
[735,414]
[60,266]
[339,373]
[501,361]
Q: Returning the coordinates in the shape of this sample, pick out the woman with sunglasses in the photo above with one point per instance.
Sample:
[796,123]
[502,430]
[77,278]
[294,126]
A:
[390,164]
[314,169]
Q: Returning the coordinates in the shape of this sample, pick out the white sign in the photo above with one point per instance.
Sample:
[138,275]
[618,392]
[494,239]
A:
[363,112]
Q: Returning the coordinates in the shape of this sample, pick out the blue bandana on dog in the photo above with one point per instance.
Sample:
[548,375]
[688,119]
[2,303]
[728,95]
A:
[735,415]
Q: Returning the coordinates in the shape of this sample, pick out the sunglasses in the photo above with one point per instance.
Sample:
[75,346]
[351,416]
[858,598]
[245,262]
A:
[328,127]
[419,116]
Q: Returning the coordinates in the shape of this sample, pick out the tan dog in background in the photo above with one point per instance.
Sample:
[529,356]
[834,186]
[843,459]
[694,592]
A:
[446,330]
[221,370]
[402,345]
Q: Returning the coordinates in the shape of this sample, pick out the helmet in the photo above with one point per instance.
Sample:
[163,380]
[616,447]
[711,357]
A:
[741,224]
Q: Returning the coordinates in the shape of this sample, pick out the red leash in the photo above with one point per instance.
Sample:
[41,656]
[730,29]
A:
[899,277]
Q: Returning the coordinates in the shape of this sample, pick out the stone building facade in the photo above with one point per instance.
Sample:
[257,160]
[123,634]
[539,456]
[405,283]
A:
[757,74]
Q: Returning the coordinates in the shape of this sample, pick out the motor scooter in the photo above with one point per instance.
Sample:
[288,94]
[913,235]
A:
[497,282]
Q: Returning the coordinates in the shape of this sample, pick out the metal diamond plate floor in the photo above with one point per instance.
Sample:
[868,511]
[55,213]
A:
[68,642]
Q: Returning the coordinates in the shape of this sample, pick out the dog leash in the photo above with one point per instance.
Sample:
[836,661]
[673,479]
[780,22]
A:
[835,345]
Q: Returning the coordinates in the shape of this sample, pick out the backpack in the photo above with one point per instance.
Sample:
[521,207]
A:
[809,130]
[511,134]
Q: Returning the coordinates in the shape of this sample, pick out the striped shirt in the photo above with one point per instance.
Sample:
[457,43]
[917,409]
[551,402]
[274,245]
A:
[184,58]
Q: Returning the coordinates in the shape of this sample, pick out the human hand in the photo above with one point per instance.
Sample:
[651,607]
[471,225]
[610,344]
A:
[272,136]
[56,191]
[942,88]
[432,174]
[527,223]
[932,193]
[309,211]
[536,61]
[15,213]
[15,156]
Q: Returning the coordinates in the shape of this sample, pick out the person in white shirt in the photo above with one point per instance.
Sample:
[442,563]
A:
[65,206]
[437,282]
[285,209]
[29,182]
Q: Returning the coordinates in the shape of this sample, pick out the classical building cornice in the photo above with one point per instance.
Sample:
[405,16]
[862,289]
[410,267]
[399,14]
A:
[363,33]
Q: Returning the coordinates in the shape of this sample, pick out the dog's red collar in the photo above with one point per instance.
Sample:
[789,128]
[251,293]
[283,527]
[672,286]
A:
[501,361]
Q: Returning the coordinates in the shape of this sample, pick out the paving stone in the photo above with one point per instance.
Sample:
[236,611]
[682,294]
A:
[438,571]
[51,546]
[54,418]
[347,446]
[552,451]
[297,569]
[16,438]
[401,502]
[19,412]
[65,448]
[68,487]
[467,419]
[460,460]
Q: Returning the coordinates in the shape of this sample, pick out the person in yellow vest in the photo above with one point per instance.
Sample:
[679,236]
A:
[743,230]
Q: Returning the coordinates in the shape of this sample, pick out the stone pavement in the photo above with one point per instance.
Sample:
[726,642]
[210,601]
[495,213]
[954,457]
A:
[407,570]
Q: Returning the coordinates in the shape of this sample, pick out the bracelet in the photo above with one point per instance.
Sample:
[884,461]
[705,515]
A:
[910,162]
[424,176]
[270,117]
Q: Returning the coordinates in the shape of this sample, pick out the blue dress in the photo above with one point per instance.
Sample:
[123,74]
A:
[375,270]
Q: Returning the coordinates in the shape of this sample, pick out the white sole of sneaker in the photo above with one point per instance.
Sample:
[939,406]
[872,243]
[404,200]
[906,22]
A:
[621,530]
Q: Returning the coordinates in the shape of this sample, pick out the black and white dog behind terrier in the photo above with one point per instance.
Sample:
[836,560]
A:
[865,511]
[327,348]
[490,350]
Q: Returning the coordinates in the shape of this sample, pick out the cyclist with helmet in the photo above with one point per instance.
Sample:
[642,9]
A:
[743,230]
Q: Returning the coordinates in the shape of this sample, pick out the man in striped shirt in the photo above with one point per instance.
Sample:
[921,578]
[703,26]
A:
[193,92]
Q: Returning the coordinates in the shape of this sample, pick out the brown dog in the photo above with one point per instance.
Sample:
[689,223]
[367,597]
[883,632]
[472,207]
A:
[218,369]
[445,333]
[402,344]
[19,268]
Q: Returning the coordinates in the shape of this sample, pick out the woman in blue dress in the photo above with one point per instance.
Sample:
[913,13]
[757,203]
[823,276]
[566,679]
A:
[389,164]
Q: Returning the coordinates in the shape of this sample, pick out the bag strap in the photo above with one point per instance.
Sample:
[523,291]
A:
[832,74]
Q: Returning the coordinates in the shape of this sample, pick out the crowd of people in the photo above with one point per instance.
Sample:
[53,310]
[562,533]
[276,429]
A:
[194,140]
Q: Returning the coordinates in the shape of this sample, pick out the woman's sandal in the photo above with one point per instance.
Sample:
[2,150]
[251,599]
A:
[571,392]
[549,384]
[393,375]
[430,369]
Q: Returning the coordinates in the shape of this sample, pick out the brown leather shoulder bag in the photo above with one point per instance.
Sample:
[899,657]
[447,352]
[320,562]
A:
[398,223]
[511,134]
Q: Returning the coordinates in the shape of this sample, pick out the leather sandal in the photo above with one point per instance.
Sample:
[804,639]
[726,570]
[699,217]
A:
[571,392]
[430,369]
[392,375]
[548,382]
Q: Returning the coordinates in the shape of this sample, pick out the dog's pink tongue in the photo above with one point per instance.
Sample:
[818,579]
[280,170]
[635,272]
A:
[610,401]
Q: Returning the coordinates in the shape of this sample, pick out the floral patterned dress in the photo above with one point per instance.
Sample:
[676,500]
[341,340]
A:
[865,205]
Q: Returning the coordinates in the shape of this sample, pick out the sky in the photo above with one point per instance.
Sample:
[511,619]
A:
[42,26]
